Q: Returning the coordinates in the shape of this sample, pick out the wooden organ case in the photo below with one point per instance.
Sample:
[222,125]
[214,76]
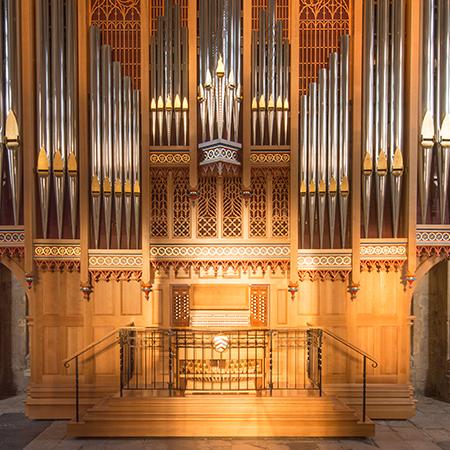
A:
[219,168]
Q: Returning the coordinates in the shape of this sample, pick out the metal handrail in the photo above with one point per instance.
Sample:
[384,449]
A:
[95,343]
[351,346]
[364,355]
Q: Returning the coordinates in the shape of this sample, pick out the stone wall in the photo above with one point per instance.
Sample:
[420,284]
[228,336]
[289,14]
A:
[13,335]
[430,333]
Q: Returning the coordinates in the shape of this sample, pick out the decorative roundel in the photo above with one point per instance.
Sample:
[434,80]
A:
[220,343]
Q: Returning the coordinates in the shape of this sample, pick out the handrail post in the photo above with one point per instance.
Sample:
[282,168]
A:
[364,388]
[170,365]
[270,362]
[121,369]
[319,360]
[77,391]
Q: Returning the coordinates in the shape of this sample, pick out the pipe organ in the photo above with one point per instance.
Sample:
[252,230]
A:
[273,152]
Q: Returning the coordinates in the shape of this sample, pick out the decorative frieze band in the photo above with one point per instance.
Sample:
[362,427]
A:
[219,252]
[59,255]
[324,264]
[115,260]
[12,236]
[382,254]
[170,158]
[270,158]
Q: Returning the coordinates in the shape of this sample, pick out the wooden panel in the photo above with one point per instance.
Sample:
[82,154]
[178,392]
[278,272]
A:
[74,344]
[156,299]
[50,355]
[131,298]
[51,293]
[332,297]
[220,296]
[105,357]
[308,301]
[281,306]
[74,306]
[181,304]
[105,293]
[388,359]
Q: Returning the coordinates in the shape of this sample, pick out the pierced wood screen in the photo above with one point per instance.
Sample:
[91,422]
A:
[321,24]
[181,204]
[207,207]
[232,207]
[120,23]
[258,204]
[157,9]
[158,206]
[180,306]
[259,302]
[281,13]
[280,202]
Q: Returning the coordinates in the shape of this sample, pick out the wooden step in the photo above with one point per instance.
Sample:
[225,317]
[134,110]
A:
[220,415]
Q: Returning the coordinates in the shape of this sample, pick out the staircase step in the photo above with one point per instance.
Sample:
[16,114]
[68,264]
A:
[220,415]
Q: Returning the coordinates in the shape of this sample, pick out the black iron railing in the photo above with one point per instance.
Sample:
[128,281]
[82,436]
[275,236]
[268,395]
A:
[176,361]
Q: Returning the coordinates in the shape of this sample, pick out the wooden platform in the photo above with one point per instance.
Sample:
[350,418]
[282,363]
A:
[221,415]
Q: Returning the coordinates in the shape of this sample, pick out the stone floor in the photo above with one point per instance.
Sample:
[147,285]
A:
[428,430]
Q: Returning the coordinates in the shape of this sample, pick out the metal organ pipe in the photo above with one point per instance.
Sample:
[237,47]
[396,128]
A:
[43,109]
[71,107]
[303,164]
[11,101]
[383,108]
[332,154]
[343,181]
[118,147]
[368,111]
[396,148]
[169,72]
[324,148]
[312,159]
[115,144]
[94,83]
[136,156]
[270,64]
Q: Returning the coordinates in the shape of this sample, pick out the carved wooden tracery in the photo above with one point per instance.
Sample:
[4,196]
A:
[120,23]
[321,24]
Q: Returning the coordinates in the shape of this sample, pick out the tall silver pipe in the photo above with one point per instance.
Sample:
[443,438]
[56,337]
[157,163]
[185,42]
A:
[368,110]
[58,133]
[343,183]
[444,132]
[118,147]
[107,178]
[12,101]
[427,128]
[128,139]
[382,102]
[71,91]
[43,109]
[94,82]
[312,158]
[303,164]
[322,149]
[136,163]
[397,68]
[332,170]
